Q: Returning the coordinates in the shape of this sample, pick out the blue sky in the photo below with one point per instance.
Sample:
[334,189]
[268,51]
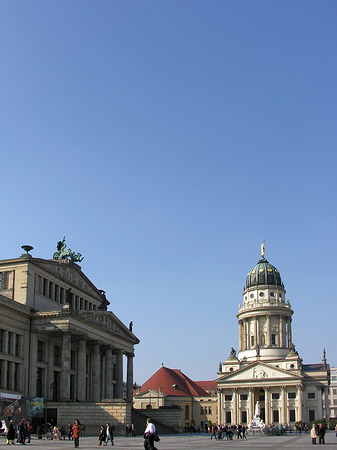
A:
[166,140]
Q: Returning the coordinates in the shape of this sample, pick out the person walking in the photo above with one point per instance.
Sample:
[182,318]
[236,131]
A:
[101,435]
[11,433]
[76,433]
[150,435]
[313,434]
[109,434]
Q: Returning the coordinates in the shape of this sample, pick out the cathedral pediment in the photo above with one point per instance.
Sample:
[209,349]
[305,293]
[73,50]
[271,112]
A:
[258,371]
[71,273]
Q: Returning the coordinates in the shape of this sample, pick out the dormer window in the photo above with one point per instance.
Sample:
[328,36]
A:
[175,386]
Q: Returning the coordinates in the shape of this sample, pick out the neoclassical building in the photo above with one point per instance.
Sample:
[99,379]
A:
[59,343]
[267,367]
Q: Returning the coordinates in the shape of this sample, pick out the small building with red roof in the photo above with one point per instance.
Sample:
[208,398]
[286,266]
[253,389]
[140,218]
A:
[171,388]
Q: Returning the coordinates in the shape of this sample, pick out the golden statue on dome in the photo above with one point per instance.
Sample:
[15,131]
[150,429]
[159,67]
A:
[262,249]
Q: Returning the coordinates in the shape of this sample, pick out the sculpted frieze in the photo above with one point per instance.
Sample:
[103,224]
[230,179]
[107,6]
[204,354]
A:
[105,321]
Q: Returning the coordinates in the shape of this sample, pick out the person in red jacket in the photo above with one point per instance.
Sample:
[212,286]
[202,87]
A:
[76,433]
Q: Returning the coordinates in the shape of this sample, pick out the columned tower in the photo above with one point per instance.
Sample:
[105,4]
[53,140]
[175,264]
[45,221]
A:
[265,316]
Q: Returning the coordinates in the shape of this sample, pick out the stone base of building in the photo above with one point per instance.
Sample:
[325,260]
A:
[168,417]
[92,415]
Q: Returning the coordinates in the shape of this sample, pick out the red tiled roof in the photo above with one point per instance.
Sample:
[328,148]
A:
[173,382]
[207,385]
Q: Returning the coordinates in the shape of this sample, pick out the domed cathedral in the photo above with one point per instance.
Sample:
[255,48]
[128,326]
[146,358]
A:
[266,382]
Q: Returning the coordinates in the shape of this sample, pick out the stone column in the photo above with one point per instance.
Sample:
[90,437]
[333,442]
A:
[283,405]
[129,379]
[81,370]
[290,340]
[50,376]
[267,405]
[281,341]
[65,374]
[220,410]
[268,331]
[108,373]
[246,335]
[250,404]
[235,406]
[5,341]
[119,374]
[255,331]
[96,372]
[299,403]
[326,403]
[240,335]
[32,365]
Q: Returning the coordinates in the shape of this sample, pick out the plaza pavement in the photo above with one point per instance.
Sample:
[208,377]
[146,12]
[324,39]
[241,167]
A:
[186,442]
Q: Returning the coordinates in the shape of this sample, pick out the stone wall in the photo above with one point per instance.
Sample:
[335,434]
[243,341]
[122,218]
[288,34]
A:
[94,414]
[169,417]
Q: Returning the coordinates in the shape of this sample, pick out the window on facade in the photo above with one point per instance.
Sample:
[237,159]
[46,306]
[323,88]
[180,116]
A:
[56,386]
[72,387]
[275,416]
[40,348]
[9,343]
[275,396]
[291,394]
[333,378]
[39,382]
[57,355]
[187,412]
[252,340]
[72,360]
[228,417]
[273,339]
[56,293]
[17,344]
[16,376]
[209,410]
[311,394]
[243,396]
[1,340]
[311,415]
[44,287]
[243,416]
[201,410]
[228,398]
[292,415]
[262,339]
[334,391]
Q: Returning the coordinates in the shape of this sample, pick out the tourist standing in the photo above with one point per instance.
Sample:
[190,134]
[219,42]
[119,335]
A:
[76,430]
[11,433]
[313,434]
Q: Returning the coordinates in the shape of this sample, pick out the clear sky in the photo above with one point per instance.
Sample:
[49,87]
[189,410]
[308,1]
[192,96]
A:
[166,140]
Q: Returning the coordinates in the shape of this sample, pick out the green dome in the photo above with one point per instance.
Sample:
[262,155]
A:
[263,273]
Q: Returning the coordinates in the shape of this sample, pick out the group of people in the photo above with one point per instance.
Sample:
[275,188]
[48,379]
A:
[318,431]
[21,434]
[220,432]
[106,434]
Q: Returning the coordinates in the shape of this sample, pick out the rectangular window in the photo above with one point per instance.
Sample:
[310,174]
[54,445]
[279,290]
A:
[275,396]
[334,391]
[292,415]
[17,344]
[72,387]
[252,341]
[311,415]
[39,382]
[311,394]
[273,339]
[1,341]
[243,416]
[201,410]
[16,376]
[228,398]
[334,378]
[72,360]
[228,417]
[291,394]
[56,293]
[9,342]
[209,410]
[44,288]
[244,397]
[40,348]
[57,355]
[275,416]
[56,386]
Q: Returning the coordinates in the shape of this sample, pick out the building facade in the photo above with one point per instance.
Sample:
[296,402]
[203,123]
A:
[59,343]
[333,393]
[267,368]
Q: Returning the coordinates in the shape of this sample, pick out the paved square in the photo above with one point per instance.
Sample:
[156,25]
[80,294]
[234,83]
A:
[186,442]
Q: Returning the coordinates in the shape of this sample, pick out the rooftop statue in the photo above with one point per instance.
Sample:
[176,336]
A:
[66,253]
[262,249]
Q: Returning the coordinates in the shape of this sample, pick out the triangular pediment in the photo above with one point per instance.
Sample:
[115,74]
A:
[108,321]
[258,371]
[71,273]
[149,393]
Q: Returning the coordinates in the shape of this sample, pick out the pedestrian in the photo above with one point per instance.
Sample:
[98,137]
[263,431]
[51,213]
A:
[321,433]
[11,433]
[150,435]
[70,431]
[76,431]
[244,436]
[22,432]
[101,435]
[313,434]
[109,434]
